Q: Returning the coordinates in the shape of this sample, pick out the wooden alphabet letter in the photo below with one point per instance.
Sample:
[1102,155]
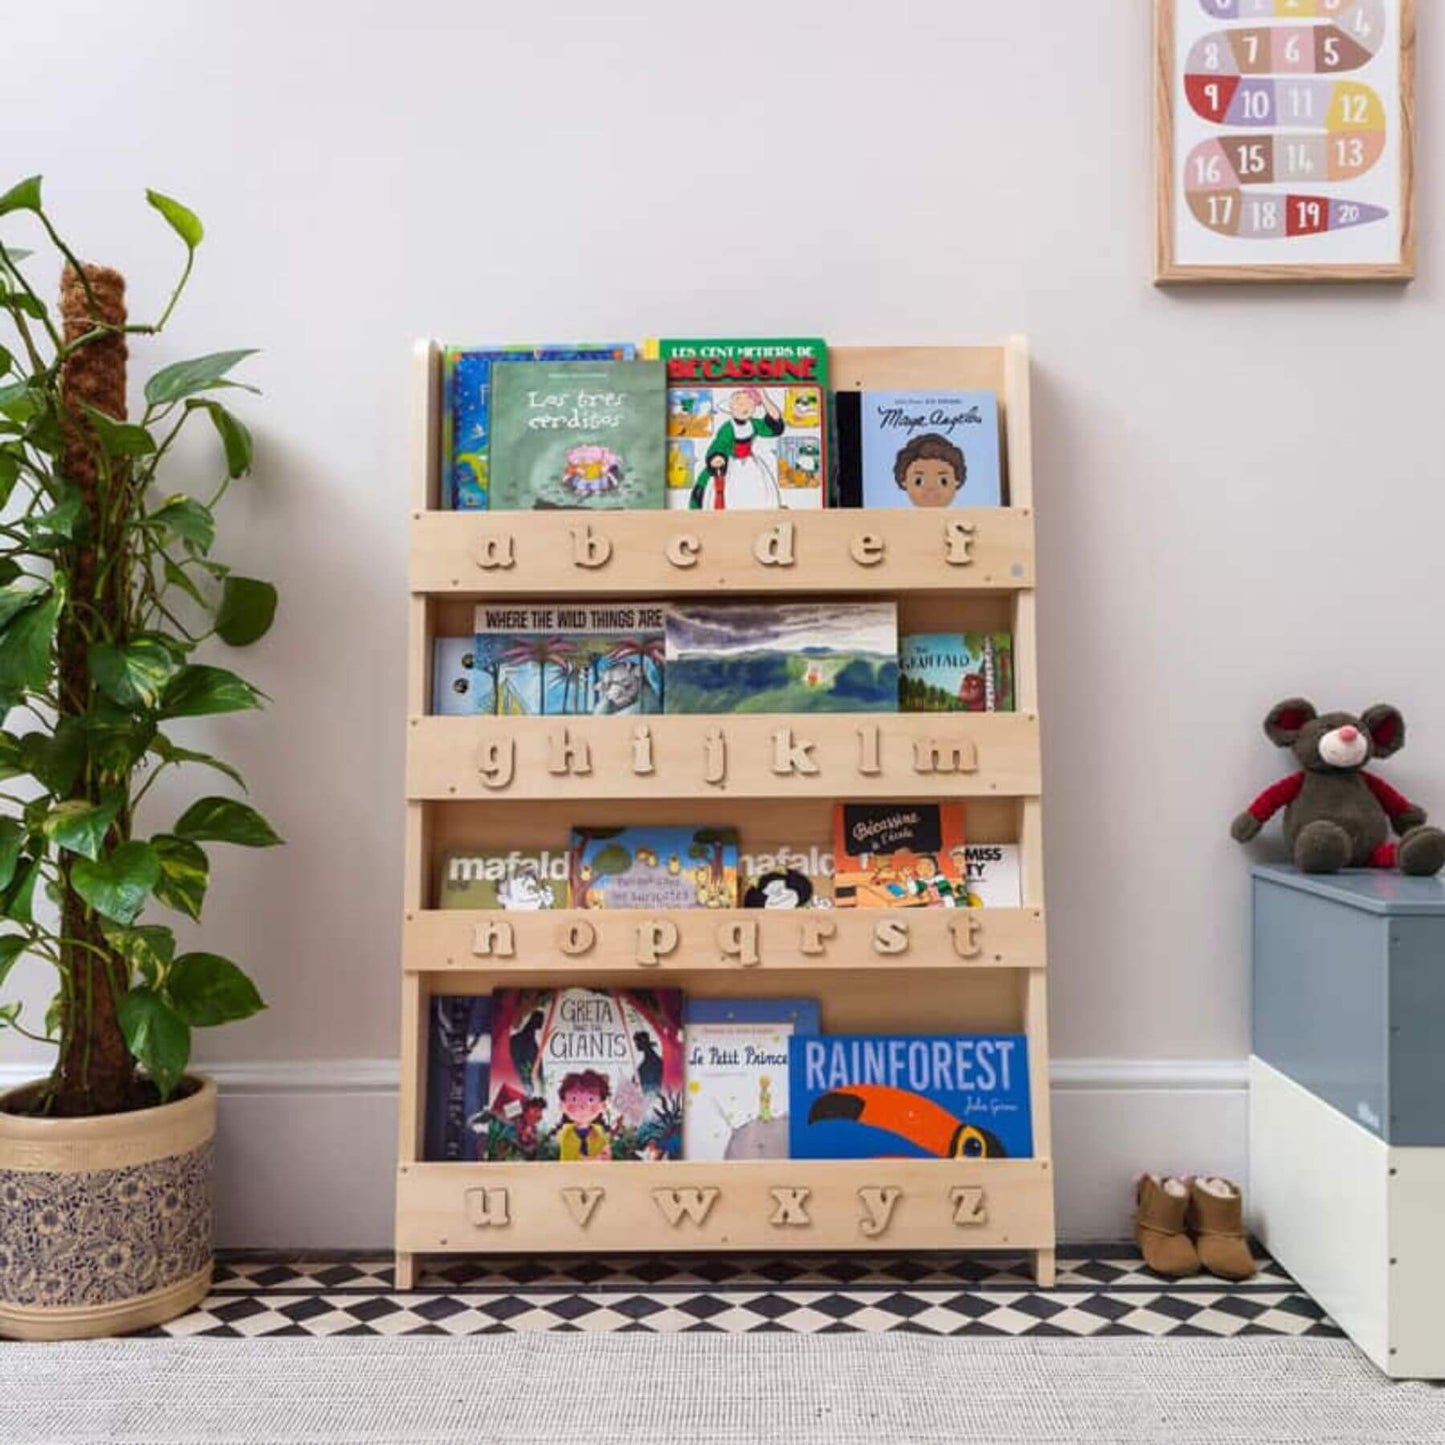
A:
[966,931]
[683,550]
[739,941]
[487,1208]
[878,1205]
[869,763]
[588,549]
[969,1206]
[642,749]
[656,938]
[715,757]
[867,549]
[493,940]
[788,1206]
[957,540]
[812,931]
[790,756]
[496,762]
[677,1203]
[890,935]
[564,755]
[576,937]
[945,755]
[582,1203]
[774,547]
[497,550]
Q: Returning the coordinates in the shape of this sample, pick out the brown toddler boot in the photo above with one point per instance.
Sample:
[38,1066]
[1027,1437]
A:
[1159,1227]
[1216,1215]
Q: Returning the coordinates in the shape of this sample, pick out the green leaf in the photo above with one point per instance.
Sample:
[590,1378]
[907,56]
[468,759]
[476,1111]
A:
[12,945]
[206,989]
[18,900]
[117,885]
[12,764]
[183,221]
[114,740]
[19,402]
[12,836]
[186,378]
[147,947]
[158,1038]
[185,872]
[9,472]
[234,437]
[197,690]
[120,438]
[26,645]
[80,826]
[63,520]
[246,611]
[176,576]
[14,600]
[171,752]
[187,518]
[55,760]
[23,196]
[224,820]
[134,675]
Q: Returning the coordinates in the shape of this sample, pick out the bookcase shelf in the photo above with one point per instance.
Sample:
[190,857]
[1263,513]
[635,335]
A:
[524,782]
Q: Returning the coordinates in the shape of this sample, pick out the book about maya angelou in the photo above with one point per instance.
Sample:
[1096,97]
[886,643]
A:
[653,867]
[524,880]
[747,426]
[898,855]
[466,378]
[890,1096]
[568,659]
[586,1073]
[919,449]
[459,1051]
[785,877]
[576,434]
[955,672]
[781,657]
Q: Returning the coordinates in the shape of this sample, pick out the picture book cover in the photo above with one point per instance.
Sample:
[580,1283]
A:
[781,657]
[923,449]
[459,1051]
[576,434]
[898,855]
[736,1102]
[747,426]
[586,1073]
[522,879]
[991,876]
[799,1014]
[786,877]
[653,867]
[902,1096]
[466,377]
[594,659]
[956,672]
[454,679]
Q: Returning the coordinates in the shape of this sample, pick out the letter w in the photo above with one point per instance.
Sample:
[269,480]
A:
[694,1203]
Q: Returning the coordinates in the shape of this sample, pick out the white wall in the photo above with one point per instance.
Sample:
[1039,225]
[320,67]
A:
[1241,492]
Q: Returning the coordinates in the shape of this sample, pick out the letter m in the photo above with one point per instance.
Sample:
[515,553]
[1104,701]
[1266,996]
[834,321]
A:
[945,755]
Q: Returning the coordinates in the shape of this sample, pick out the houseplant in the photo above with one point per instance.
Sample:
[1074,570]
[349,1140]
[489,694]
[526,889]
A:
[109,594]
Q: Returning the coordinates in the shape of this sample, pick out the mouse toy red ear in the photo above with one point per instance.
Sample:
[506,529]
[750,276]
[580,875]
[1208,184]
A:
[1285,720]
[1386,728]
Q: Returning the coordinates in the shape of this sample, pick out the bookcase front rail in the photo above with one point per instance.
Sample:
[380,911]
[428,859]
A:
[782,1204]
[837,755]
[583,942]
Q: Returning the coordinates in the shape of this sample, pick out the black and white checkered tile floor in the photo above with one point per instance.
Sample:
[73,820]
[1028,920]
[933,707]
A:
[1105,1291]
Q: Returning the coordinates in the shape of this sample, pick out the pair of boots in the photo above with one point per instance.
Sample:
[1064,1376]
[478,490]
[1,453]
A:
[1183,1224]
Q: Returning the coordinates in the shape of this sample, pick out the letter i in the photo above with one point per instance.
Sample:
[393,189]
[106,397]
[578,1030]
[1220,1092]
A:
[642,749]
[715,756]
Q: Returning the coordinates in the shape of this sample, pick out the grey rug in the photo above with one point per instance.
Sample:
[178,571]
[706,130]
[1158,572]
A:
[708,1390]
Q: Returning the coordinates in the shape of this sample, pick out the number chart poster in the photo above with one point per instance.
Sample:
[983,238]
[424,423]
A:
[1285,148]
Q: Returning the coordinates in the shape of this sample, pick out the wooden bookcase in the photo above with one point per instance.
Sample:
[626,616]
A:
[521,782]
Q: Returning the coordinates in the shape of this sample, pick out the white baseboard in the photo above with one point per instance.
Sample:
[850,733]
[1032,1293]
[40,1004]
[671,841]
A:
[307,1149]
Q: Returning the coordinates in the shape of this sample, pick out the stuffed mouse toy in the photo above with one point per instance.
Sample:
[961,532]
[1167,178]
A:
[1336,815]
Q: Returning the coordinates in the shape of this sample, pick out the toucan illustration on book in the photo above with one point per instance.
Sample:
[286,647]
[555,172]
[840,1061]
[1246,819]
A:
[910,1116]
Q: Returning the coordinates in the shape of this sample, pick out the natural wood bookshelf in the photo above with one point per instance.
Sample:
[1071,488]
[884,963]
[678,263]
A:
[522,782]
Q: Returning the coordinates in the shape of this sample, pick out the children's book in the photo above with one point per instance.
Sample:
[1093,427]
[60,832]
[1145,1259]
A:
[956,672]
[455,681]
[522,879]
[653,867]
[466,377]
[576,434]
[925,449]
[877,1096]
[459,1051]
[736,1102]
[991,877]
[747,426]
[799,1014]
[785,877]
[586,1073]
[781,657]
[898,855]
[595,659]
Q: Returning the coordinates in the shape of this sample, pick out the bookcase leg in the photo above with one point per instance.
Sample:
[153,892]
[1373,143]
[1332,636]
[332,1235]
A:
[1044,1268]
[405,1270]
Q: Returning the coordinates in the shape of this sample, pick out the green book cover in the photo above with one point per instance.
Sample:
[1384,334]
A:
[577,434]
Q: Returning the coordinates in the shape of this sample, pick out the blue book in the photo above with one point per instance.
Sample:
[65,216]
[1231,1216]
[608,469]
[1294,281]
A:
[466,387]
[800,1013]
[459,1058]
[930,449]
[909,1096]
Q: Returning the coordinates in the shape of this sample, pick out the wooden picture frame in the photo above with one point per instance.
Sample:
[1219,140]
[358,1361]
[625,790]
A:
[1333,199]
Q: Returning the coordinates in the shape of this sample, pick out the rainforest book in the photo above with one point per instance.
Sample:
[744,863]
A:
[525,880]
[955,672]
[459,1049]
[747,426]
[561,659]
[918,449]
[466,377]
[576,434]
[585,1073]
[785,877]
[991,877]
[891,1096]
[781,657]
[653,867]
[898,855]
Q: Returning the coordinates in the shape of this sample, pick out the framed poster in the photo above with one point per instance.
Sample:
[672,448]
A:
[1283,140]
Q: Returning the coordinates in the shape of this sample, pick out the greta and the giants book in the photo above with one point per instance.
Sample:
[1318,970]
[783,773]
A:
[585,1073]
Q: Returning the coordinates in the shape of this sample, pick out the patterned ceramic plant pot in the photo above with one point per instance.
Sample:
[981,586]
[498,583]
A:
[105,1224]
